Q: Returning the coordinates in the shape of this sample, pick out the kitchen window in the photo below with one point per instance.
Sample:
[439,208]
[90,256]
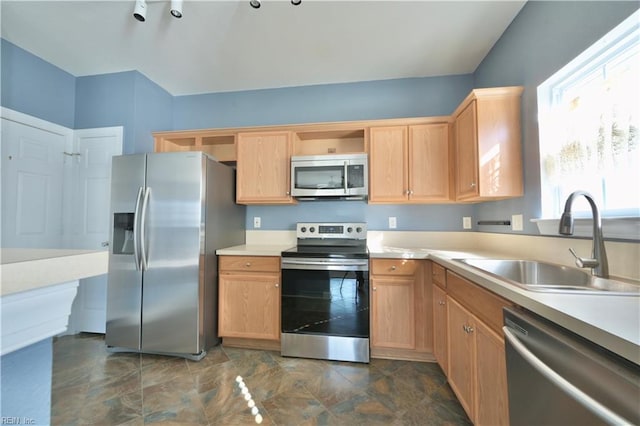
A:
[589,118]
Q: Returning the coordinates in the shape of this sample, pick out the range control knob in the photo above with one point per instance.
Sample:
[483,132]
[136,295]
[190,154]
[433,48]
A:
[358,230]
[312,229]
[349,230]
[303,229]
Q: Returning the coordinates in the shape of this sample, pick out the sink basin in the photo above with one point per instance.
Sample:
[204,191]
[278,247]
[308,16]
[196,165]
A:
[548,277]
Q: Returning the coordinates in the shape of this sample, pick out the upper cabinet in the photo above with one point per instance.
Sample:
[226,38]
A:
[473,155]
[488,145]
[218,143]
[410,164]
[263,168]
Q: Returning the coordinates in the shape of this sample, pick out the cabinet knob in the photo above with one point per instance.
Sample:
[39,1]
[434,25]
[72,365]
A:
[374,289]
[393,267]
[248,264]
[441,302]
[287,193]
[277,285]
[473,185]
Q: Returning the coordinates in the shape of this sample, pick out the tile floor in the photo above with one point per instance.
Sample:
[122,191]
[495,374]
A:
[92,386]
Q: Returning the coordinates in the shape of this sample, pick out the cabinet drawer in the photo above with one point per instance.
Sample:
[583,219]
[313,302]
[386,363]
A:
[250,263]
[394,267]
[438,275]
[484,304]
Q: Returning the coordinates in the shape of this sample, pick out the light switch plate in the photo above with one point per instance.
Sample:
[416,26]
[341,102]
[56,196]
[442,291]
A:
[516,222]
[466,222]
[393,224]
[257,222]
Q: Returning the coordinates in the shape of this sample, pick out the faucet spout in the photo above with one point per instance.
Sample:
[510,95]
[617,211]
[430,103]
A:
[598,263]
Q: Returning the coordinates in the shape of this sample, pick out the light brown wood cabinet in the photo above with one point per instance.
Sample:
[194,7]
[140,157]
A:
[488,151]
[476,358]
[263,168]
[219,143]
[249,297]
[401,315]
[409,164]
[440,340]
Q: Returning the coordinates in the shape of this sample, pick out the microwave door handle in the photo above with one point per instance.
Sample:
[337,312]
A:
[344,181]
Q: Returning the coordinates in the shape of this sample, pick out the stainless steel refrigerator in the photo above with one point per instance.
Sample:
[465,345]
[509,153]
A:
[169,212]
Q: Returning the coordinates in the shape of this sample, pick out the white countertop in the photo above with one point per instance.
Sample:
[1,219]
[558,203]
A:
[254,250]
[29,269]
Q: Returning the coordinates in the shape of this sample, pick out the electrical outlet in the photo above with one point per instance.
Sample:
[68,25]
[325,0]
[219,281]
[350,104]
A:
[516,222]
[393,224]
[466,222]
[257,222]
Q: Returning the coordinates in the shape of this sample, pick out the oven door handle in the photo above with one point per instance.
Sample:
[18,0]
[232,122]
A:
[326,262]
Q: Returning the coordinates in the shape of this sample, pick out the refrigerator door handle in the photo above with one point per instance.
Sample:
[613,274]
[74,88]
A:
[143,225]
[136,230]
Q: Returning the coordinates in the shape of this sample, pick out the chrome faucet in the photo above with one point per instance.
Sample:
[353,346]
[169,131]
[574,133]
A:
[598,261]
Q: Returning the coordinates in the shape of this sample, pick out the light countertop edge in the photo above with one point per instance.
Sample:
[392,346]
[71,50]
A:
[30,269]
[253,250]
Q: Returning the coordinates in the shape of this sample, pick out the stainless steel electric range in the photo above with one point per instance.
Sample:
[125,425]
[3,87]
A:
[325,293]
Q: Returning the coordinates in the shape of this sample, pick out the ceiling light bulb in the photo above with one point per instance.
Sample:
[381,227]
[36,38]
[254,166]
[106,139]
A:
[176,8]
[296,2]
[140,10]
[255,4]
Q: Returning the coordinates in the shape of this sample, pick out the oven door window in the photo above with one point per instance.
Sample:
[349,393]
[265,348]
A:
[334,303]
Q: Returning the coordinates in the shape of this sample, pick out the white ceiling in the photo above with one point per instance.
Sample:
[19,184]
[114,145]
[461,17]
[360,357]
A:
[223,46]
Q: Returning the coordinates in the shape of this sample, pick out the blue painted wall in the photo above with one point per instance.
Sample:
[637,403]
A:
[409,218]
[409,97]
[540,40]
[543,38]
[35,87]
[26,384]
[107,100]
[153,112]
[127,99]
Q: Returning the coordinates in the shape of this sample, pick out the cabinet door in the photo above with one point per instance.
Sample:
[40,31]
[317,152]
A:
[492,403]
[263,168]
[466,134]
[461,355]
[440,327]
[249,306]
[392,313]
[429,162]
[388,164]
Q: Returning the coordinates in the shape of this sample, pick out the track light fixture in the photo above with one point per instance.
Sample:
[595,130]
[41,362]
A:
[257,3]
[176,8]
[140,10]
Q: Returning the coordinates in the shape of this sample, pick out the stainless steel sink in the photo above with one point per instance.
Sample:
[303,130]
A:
[548,277]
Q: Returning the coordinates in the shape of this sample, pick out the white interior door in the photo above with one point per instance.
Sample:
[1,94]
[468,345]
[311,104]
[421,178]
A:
[32,153]
[87,222]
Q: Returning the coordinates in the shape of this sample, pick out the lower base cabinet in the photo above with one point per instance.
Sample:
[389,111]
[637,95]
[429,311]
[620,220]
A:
[249,298]
[401,303]
[476,360]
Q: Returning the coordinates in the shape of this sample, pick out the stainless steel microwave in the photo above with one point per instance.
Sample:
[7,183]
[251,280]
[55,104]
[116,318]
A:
[336,176]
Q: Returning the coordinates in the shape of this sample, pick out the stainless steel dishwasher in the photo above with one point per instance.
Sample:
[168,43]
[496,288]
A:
[556,377]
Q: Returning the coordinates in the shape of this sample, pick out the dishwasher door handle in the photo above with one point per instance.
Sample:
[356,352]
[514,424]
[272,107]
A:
[567,387]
